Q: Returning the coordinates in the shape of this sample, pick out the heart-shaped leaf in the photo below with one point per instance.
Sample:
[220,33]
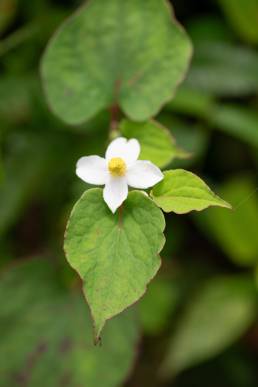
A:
[131,52]
[115,255]
[181,191]
[157,143]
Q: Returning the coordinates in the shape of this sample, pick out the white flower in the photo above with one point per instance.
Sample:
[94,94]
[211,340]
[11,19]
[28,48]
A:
[118,170]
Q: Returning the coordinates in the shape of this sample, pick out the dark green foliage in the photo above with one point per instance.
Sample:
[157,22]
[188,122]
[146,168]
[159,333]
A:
[198,319]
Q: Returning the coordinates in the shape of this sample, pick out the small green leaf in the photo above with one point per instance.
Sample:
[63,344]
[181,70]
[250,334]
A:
[221,312]
[181,191]
[128,52]
[157,143]
[46,337]
[115,255]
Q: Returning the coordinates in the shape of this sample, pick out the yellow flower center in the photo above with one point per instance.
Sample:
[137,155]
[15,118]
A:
[117,166]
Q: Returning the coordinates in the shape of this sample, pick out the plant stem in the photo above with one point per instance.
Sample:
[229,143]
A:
[115,111]
[114,115]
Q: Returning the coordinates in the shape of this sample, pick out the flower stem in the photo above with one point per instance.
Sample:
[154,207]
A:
[114,116]
[115,112]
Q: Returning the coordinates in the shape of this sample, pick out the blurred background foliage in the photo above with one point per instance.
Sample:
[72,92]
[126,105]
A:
[197,324]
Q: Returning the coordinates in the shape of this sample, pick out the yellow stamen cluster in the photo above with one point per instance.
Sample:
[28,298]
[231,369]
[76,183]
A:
[117,166]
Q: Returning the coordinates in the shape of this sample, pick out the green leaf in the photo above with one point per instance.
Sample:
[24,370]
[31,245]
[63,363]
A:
[212,70]
[238,121]
[127,52]
[46,335]
[157,143]
[181,191]
[115,255]
[235,231]
[242,14]
[221,312]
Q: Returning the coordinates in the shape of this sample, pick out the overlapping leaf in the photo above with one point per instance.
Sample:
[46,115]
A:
[157,143]
[128,52]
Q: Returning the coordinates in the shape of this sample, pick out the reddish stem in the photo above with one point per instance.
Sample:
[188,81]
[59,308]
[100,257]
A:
[114,117]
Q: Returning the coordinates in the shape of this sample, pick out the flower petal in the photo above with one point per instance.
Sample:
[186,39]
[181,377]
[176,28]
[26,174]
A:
[115,192]
[93,170]
[128,150]
[143,174]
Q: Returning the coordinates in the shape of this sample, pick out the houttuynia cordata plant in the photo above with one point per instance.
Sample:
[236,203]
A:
[127,57]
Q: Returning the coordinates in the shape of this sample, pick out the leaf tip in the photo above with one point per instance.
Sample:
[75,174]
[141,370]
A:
[97,329]
[228,205]
[223,203]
